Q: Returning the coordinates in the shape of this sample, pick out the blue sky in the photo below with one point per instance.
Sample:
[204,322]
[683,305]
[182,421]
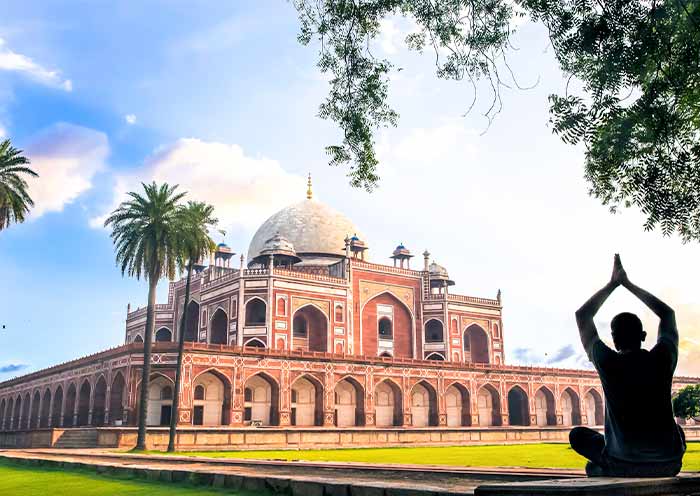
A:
[220,98]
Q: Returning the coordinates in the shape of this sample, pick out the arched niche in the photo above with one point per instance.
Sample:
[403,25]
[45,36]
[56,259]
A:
[218,328]
[594,408]
[99,402]
[211,399]
[402,326]
[388,404]
[192,322]
[306,402]
[349,403]
[545,408]
[424,408]
[458,406]
[518,408]
[489,406]
[434,331]
[570,407]
[261,400]
[255,312]
[163,335]
[476,344]
[315,324]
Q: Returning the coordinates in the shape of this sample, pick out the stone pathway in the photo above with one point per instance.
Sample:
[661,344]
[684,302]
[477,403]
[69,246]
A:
[302,478]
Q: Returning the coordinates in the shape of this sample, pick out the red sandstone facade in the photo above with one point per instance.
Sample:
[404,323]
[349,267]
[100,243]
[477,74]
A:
[315,336]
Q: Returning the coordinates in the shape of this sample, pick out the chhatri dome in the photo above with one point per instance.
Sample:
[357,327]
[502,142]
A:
[316,231]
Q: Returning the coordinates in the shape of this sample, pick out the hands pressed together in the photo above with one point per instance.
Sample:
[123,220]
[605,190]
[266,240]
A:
[619,276]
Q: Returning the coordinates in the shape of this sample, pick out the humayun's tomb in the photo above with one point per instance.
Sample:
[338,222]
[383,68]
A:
[309,344]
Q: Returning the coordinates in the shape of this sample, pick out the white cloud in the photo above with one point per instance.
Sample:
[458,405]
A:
[66,157]
[130,119]
[15,62]
[243,190]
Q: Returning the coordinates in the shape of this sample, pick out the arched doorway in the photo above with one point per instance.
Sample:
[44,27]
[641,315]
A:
[34,419]
[388,404]
[116,400]
[489,406]
[160,401]
[424,410]
[57,408]
[255,312]
[349,403]
[570,407]
[387,327]
[594,408]
[211,400]
[476,344]
[138,339]
[192,323]
[311,322]
[69,412]
[261,400]
[545,409]
[45,414]
[457,402]
[84,404]
[99,402]
[218,328]
[163,335]
[26,405]
[307,402]
[10,414]
[434,331]
[518,410]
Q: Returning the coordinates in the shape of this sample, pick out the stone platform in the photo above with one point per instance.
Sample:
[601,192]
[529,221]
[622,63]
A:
[228,438]
[355,479]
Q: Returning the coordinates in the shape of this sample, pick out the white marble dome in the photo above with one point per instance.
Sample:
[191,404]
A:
[311,226]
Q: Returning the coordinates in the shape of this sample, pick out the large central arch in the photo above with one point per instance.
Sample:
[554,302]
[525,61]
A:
[310,329]
[402,328]
[476,344]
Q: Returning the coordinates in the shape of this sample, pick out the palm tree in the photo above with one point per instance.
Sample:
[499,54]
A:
[146,239]
[14,198]
[194,220]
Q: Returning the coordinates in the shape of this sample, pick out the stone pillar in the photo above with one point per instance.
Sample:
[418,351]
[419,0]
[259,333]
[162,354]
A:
[285,396]
[237,391]
[329,400]
[108,404]
[441,401]
[75,408]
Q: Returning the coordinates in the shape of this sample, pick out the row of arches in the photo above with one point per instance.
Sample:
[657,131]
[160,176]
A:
[80,404]
[261,403]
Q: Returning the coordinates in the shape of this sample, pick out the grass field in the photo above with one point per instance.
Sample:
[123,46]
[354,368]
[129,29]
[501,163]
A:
[16,479]
[514,455]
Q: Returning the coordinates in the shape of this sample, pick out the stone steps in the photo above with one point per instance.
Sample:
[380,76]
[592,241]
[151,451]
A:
[77,438]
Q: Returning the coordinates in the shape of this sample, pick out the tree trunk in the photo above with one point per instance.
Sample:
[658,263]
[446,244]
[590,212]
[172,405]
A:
[178,371]
[146,371]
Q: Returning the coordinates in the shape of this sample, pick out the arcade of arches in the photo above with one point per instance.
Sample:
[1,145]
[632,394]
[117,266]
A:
[213,401]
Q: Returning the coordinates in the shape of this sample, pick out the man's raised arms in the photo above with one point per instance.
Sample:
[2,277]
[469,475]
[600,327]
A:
[585,314]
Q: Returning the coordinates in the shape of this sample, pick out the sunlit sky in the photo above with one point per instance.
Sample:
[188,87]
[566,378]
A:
[220,98]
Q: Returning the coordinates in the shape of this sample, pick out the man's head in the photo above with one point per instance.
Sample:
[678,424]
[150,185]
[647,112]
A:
[627,332]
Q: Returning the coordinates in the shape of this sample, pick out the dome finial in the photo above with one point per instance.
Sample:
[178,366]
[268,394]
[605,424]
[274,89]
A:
[309,193]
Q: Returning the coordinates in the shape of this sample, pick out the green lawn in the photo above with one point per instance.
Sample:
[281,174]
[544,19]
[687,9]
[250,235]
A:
[16,479]
[514,455]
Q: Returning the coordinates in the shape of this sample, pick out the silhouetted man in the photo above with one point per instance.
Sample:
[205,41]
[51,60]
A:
[642,438]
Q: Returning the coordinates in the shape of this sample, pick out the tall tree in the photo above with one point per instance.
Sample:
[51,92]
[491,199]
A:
[147,242]
[637,61]
[195,220]
[15,201]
